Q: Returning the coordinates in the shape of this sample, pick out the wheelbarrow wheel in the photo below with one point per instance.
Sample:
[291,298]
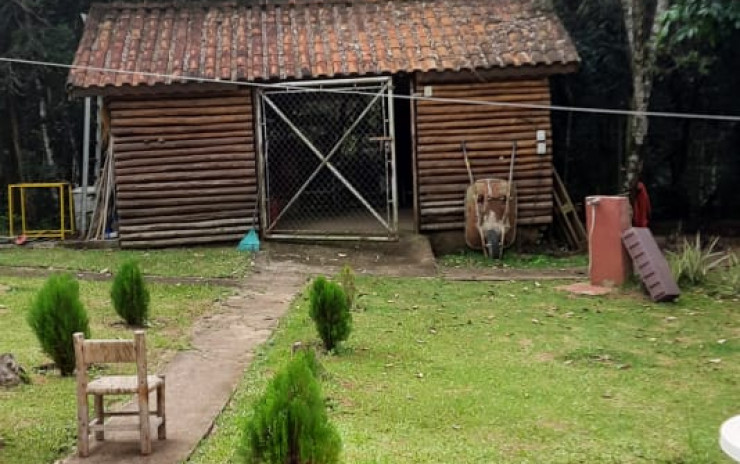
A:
[493,243]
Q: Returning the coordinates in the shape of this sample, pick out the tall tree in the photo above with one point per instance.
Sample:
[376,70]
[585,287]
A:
[642,24]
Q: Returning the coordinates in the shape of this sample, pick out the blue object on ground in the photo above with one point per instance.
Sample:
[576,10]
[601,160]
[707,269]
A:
[250,242]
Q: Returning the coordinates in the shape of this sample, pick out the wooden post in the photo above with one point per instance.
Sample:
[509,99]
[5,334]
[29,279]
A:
[162,429]
[100,415]
[83,418]
[143,392]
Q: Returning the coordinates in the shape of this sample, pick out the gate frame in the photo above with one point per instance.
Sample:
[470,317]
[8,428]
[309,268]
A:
[329,86]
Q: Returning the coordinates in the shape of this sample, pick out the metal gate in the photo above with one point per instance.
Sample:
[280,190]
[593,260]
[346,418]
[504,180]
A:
[328,160]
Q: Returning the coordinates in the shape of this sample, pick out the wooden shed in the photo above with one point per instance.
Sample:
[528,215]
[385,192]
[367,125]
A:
[346,116]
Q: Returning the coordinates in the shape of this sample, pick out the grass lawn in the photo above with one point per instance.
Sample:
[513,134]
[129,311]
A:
[38,421]
[515,372]
[475,259]
[173,262]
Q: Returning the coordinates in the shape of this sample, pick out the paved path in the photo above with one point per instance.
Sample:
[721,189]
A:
[200,381]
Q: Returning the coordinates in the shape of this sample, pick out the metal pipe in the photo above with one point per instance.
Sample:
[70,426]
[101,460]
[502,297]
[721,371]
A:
[85,164]
[394,167]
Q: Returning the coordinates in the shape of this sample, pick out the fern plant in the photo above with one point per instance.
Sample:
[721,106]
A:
[55,315]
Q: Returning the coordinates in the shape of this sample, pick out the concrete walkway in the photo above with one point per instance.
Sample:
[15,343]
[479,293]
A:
[200,381]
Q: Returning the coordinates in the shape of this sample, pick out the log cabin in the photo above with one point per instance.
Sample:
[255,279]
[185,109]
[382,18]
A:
[316,119]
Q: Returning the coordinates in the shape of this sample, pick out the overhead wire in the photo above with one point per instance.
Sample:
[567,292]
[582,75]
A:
[424,98]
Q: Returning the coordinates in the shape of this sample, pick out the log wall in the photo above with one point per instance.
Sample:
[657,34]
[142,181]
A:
[489,131]
[185,168]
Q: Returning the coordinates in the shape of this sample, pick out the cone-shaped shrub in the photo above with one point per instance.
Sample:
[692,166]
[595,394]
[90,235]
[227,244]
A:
[289,424]
[330,312]
[130,295]
[55,315]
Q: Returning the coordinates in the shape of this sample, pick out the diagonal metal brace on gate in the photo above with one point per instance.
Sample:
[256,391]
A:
[325,160]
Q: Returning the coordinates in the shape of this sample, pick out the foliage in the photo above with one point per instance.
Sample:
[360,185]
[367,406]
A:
[566,369]
[130,295]
[330,312]
[289,424]
[692,31]
[693,261]
[55,315]
[37,420]
[346,279]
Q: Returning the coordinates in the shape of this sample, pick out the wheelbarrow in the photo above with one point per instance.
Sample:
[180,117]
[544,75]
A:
[490,212]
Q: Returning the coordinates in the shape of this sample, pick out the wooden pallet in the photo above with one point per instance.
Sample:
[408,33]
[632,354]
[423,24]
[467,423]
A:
[566,216]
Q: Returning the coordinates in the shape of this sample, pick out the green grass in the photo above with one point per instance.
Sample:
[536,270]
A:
[438,372]
[473,259]
[174,262]
[38,421]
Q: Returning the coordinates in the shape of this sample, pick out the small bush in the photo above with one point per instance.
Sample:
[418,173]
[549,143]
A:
[692,262]
[55,315]
[130,295]
[330,313]
[346,279]
[289,424]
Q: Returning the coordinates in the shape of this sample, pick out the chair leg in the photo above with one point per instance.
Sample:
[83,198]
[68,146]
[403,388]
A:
[144,431]
[83,425]
[100,415]
[162,428]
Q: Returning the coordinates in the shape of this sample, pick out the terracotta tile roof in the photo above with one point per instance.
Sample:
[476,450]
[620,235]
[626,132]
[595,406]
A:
[314,39]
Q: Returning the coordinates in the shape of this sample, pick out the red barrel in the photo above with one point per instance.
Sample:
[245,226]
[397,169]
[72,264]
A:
[606,218]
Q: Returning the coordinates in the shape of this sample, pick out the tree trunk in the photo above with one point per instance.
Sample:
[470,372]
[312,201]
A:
[642,47]
[44,126]
[15,136]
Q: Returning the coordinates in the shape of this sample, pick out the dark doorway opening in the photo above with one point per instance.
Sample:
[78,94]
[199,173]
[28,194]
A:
[404,150]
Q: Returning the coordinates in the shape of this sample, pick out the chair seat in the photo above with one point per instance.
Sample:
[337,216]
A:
[120,384]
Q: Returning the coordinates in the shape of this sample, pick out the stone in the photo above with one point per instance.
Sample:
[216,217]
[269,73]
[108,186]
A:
[11,373]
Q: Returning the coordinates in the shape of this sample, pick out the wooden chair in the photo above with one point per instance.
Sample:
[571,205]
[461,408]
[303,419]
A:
[116,351]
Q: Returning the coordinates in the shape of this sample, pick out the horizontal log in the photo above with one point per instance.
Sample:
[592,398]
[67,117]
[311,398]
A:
[211,110]
[246,175]
[482,169]
[186,168]
[529,134]
[463,178]
[473,121]
[437,226]
[163,145]
[238,128]
[534,198]
[474,131]
[162,243]
[162,226]
[234,99]
[189,217]
[434,107]
[179,201]
[247,150]
[182,121]
[172,187]
[469,112]
[544,219]
[453,160]
[154,213]
[168,234]
[455,195]
[186,160]
[460,187]
[242,190]
[192,135]
[475,91]
[474,146]
[504,84]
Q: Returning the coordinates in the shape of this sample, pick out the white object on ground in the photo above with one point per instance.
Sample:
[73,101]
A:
[729,438]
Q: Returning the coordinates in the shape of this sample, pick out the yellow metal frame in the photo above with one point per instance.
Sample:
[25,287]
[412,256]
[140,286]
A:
[64,212]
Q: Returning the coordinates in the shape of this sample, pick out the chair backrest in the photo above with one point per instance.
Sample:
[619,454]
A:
[111,351]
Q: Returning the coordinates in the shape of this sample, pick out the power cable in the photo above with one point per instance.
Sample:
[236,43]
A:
[287,86]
